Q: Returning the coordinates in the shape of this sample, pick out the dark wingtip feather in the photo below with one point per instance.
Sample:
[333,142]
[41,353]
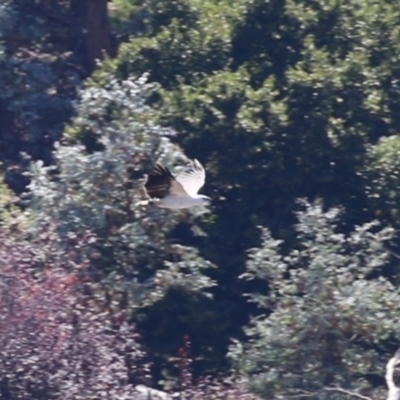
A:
[158,182]
[161,170]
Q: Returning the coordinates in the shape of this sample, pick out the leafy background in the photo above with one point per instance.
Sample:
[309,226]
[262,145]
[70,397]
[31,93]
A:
[262,294]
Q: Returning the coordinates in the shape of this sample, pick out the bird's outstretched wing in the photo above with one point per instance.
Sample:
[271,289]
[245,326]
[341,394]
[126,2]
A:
[160,183]
[192,178]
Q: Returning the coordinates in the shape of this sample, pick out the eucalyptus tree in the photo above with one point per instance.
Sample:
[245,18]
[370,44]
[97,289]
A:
[329,320]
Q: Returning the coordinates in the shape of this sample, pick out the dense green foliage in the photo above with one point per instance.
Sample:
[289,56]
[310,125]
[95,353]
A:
[280,100]
[329,318]
[287,99]
[382,170]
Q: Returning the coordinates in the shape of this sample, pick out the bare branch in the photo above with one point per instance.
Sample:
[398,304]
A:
[305,393]
[391,369]
[349,393]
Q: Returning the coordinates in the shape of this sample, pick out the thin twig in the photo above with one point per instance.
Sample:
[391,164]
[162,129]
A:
[304,393]
[344,391]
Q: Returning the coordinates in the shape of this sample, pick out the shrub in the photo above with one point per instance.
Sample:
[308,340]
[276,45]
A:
[331,315]
[59,339]
[97,188]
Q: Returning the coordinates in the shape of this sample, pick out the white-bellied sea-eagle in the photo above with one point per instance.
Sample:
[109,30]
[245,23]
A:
[180,191]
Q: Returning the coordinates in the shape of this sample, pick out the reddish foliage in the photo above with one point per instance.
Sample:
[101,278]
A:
[56,341]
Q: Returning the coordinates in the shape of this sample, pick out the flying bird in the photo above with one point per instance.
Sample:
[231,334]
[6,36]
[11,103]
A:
[180,191]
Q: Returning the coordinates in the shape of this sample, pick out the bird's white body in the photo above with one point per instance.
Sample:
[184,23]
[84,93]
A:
[177,202]
[177,192]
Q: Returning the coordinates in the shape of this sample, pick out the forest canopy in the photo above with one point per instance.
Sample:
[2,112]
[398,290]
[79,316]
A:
[287,284]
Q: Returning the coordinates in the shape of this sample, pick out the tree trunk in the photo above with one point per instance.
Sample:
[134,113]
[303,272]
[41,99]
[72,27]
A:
[92,16]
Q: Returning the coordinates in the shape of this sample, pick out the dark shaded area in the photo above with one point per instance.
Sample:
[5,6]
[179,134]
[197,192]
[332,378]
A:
[288,106]
[50,47]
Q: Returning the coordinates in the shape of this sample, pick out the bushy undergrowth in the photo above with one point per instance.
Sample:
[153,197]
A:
[329,319]
[59,338]
[64,337]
